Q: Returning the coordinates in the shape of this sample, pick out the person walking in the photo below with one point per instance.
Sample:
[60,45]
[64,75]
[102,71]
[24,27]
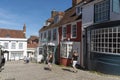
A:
[74,60]
[50,60]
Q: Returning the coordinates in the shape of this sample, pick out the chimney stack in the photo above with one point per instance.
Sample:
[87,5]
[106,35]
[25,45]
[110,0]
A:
[24,30]
[53,13]
[75,2]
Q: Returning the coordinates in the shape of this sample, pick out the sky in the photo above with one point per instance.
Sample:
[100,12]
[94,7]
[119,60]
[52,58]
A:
[15,13]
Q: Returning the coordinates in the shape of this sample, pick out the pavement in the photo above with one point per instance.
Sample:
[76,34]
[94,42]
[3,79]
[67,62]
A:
[18,70]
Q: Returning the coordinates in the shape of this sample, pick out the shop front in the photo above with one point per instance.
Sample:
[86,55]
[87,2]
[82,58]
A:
[49,48]
[66,51]
[103,47]
[16,55]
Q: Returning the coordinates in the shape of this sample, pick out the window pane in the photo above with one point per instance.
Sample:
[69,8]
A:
[107,41]
[64,31]
[54,34]
[116,6]
[20,45]
[6,45]
[13,46]
[49,35]
[102,11]
[74,31]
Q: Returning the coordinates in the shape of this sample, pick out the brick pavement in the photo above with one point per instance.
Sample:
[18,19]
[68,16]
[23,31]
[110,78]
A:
[17,70]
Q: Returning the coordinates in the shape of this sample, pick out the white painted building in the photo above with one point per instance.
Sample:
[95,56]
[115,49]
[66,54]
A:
[15,42]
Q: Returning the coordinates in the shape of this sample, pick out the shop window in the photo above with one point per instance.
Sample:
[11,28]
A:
[64,50]
[109,41]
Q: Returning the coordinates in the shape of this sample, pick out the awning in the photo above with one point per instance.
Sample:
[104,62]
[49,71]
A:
[51,44]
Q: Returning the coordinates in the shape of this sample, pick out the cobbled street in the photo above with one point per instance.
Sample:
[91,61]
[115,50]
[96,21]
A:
[18,70]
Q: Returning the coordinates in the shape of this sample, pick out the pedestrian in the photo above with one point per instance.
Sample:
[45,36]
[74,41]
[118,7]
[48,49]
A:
[25,59]
[3,60]
[74,60]
[50,60]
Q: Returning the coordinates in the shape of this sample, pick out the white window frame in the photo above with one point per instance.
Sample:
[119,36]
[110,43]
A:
[64,34]
[13,45]
[66,49]
[106,40]
[6,45]
[74,25]
[20,45]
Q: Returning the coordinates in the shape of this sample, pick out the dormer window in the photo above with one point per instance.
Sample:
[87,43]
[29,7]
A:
[56,19]
[47,23]
[78,10]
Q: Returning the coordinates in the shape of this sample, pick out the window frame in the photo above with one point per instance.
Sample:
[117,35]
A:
[41,36]
[106,40]
[79,10]
[72,32]
[49,35]
[66,50]
[13,45]
[64,32]
[20,45]
[45,35]
[54,34]
[6,45]
[100,10]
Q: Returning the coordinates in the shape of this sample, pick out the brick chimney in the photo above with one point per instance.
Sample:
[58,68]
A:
[24,30]
[75,2]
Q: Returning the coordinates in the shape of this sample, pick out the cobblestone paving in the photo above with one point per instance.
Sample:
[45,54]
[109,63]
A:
[17,70]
